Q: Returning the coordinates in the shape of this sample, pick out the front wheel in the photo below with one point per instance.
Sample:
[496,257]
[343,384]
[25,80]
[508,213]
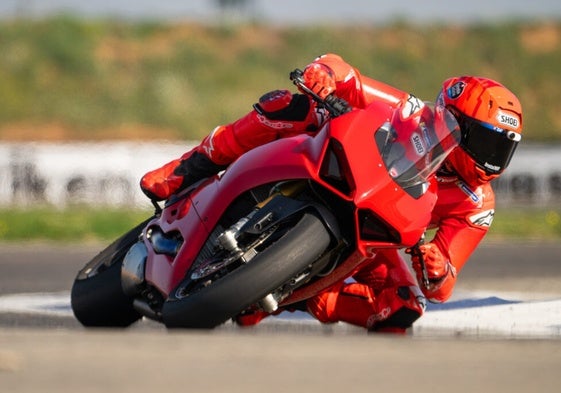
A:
[97,297]
[226,297]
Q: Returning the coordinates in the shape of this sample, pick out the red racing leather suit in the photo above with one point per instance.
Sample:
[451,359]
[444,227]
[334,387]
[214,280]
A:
[384,295]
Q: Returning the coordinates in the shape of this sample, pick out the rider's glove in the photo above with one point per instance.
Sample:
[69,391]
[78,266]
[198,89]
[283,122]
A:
[437,266]
[320,79]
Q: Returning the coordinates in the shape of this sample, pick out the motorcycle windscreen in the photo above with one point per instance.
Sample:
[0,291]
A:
[414,146]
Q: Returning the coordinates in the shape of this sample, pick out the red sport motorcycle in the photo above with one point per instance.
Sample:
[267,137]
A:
[282,223]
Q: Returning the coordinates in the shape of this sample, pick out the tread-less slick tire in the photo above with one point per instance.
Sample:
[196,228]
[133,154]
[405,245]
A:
[97,298]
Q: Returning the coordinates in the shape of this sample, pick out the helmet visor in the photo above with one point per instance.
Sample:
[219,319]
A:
[491,147]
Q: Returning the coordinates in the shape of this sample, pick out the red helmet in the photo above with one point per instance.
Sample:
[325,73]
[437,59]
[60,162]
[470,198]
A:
[490,117]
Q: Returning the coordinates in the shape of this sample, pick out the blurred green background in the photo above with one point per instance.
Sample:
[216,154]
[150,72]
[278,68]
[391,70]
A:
[65,78]
[70,78]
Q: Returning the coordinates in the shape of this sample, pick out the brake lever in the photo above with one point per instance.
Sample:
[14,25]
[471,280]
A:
[336,106]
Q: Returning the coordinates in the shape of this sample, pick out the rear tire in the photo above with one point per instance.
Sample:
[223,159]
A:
[97,298]
[223,299]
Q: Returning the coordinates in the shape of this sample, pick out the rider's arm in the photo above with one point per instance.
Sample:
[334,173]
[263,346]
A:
[462,220]
[355,88]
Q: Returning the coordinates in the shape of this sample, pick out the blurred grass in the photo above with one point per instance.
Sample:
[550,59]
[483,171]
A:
[78,224]
[67,78]
[530,223]
[82,224]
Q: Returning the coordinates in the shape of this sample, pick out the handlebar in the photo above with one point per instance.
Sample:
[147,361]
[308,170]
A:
[336,106]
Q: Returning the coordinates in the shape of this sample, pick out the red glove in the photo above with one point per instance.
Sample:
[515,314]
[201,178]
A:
[437,266]
[320,79]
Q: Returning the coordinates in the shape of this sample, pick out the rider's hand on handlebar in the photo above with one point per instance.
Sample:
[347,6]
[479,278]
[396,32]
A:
[437,266]
[320,79]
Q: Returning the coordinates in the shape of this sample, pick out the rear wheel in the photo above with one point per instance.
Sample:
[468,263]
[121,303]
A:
[97,297]
[227,296]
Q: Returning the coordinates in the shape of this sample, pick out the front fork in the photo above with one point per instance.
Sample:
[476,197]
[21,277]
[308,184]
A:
[280,206]
[229,238]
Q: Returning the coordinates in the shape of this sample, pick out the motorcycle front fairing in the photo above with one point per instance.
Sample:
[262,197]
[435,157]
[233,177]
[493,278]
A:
[393,167]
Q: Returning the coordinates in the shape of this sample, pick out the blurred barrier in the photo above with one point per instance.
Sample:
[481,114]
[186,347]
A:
[533,177]
[72,173]
[108,173]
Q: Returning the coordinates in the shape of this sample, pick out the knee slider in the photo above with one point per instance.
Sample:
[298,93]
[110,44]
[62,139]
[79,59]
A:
[405,308]
[283,105]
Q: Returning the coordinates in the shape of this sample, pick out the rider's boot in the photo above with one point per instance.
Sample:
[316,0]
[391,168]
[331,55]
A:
[394,309]
[176,175]
[384,298]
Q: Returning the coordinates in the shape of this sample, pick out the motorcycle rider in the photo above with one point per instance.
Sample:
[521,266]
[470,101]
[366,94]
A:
[383,295]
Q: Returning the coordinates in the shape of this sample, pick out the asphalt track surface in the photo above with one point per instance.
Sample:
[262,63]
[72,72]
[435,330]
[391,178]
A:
[52,353]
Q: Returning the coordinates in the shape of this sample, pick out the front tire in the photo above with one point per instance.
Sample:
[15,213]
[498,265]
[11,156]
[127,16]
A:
[97,298]
[213,305]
